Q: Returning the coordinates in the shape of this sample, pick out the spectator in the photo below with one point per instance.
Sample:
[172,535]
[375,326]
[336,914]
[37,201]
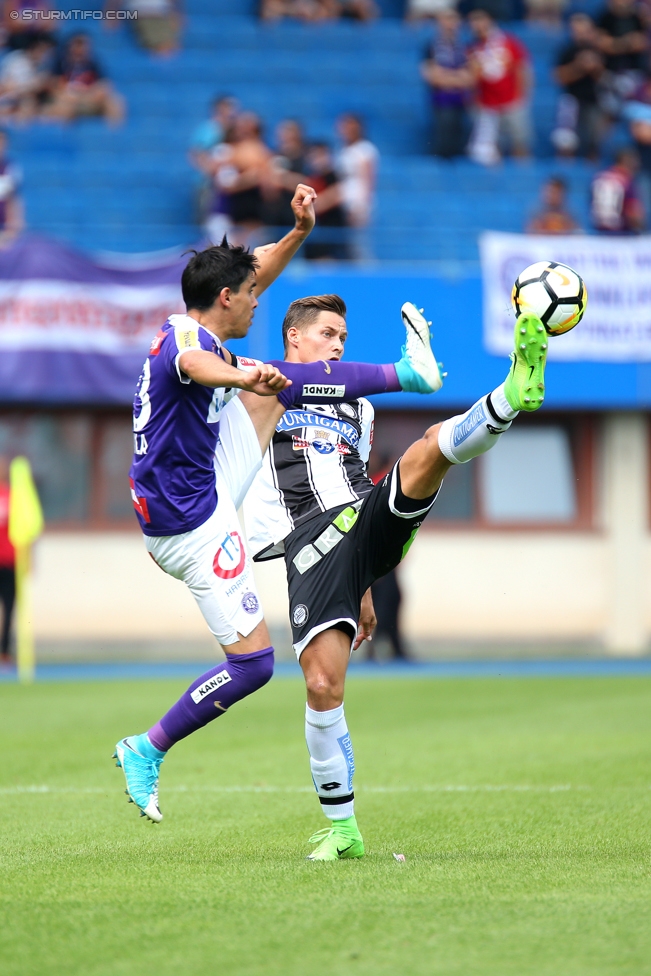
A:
[329,239]
[157,26]
[363,10]
[212,131]
[7,566]
[579,69]
[500,65]
[447,72]
[240,165]
[12,219]
[623,41]
[547,12]
[26,79]
[311,11]
[553,217]
[284,174]
[616,207]
[18,30]
[638,115]
[357,167]
[80,86]
[308,11]
[203,143]
[428,9]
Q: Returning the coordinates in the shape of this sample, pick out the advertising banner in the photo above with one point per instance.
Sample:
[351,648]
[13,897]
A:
[75,330]
[616,327]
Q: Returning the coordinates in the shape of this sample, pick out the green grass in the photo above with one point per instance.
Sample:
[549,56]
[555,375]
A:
[522,807]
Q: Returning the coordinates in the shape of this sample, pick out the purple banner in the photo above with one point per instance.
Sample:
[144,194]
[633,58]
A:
[77,330]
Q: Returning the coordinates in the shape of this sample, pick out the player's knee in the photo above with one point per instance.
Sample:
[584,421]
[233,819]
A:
[324,687]
[253,672]
[264,669]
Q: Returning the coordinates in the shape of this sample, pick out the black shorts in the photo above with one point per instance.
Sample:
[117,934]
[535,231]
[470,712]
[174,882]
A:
[333,559]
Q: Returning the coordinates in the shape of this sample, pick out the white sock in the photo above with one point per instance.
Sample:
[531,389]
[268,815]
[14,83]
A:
[331,760]
[466,436]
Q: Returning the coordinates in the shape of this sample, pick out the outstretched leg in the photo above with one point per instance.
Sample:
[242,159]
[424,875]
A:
[459,439]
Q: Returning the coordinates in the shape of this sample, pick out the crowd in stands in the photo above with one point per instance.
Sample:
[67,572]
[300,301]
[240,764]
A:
[42,78]
[480,92]
[318,11]
[248,185]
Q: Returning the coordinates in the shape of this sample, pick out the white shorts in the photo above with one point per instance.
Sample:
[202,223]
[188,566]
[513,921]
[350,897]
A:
[211,559]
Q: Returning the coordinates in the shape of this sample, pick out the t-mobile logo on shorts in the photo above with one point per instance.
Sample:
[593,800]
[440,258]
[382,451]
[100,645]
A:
[212,684]
[323,389]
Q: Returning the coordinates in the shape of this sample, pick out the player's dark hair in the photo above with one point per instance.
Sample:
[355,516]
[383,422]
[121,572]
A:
[207,272]
[305,311]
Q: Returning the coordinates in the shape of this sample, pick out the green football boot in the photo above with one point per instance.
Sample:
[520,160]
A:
[337,842]
[524,387]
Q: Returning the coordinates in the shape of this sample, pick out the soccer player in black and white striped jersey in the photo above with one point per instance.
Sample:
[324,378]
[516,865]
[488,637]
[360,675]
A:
[313,503]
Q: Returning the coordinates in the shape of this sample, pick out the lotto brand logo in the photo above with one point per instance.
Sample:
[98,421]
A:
[468,425]
[212,684]
[323,389]
[250,603]
[300,615]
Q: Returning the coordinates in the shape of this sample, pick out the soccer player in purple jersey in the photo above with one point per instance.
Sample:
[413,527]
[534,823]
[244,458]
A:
[197,448]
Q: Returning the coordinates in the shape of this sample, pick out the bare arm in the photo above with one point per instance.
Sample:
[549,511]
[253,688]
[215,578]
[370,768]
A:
[209,370]
[273,260]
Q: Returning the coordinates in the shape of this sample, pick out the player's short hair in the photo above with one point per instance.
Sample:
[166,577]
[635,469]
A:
[207,272]
[305,311]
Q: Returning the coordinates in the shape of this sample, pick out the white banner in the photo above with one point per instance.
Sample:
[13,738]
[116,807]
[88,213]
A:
[617,272]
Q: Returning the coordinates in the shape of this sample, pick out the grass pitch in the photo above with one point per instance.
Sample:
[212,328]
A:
[522,807]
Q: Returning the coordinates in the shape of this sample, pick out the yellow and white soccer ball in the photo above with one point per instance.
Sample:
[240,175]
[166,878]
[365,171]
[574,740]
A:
[553,292]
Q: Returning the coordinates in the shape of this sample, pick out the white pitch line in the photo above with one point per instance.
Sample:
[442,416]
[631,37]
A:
[456,788]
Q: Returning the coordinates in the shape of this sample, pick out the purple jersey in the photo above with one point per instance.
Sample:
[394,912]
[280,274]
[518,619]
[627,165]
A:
[175,432]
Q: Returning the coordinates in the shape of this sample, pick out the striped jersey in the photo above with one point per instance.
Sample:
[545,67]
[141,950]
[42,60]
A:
[316,461]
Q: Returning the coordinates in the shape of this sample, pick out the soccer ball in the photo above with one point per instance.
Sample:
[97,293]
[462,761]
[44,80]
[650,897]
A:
[552,292]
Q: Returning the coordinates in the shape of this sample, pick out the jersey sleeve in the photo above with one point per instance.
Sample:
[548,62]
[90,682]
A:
[367,415]
[182,339]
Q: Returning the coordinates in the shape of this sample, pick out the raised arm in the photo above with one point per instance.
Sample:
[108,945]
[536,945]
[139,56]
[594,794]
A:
[272,260]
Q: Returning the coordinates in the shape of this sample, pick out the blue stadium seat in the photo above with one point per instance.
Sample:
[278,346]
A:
[133,189]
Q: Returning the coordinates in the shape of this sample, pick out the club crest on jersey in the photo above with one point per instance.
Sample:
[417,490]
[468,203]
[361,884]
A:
[250,603]
[230,557]
[300,614]
[347,409]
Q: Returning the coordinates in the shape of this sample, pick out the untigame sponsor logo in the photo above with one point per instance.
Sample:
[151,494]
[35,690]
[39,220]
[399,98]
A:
[470,423]
[212,684]
[346,747]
